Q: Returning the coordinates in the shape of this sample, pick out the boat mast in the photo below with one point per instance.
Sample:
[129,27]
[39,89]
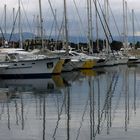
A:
[38,26]
[125,25]
[5,14]
[13,23]
[97,28]
[106,12]
[20,36]
[66,27]
[133,27]
[90,36]
[41,24]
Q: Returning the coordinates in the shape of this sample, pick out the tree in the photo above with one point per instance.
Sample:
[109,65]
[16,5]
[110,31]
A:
[116,45]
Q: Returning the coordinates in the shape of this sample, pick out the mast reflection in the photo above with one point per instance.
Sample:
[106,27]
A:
[75,105]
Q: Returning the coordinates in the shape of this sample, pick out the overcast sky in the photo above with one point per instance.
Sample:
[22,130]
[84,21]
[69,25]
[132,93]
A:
[30,9]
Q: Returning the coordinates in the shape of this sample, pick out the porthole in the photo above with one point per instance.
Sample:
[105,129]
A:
[50,65]
[50,86]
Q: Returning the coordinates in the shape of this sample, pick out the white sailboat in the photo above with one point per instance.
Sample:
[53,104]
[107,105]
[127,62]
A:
[21,65]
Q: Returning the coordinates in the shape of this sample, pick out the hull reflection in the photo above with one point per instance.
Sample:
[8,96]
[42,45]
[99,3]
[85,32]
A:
[91,106]
[36,85]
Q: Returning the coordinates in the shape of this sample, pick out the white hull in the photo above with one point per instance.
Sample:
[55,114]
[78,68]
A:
[106,63]
[122,61]
[29,67]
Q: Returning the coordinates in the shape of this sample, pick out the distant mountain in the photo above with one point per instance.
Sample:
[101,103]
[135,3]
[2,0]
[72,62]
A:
[84,39]
[74,39]
[15,37]
[130,38]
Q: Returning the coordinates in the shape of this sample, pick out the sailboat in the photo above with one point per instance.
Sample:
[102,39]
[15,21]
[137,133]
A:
[19,63]
[72,59]
[133,58]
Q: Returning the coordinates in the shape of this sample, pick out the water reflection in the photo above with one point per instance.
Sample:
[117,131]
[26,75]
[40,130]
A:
[78,105]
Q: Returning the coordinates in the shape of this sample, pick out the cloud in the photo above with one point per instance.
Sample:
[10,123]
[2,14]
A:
[30,8]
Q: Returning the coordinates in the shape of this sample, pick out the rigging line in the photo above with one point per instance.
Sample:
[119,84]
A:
[51,30]
[107,97]
[60,28]
[130,14]
[113,90]
[82,27]
[13,27]
[59,114]
[54,15]
[16,111]
[68,113]
[8,115]
[117,104]
[104,18]
[81,123]
[137,21]
[59,33]
[2,33]
[1,25]
[26,15]
[55,21]
[101,21]
[115,22]
[2,111]
[2,18]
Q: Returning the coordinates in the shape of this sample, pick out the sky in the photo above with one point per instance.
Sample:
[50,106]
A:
[30,10]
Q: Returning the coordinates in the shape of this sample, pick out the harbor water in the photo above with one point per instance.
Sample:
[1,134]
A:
[100,104]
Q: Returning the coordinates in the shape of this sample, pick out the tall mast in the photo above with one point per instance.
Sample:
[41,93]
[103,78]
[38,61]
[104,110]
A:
[97,32]
[41,24]
[5,14]
[66,27]
[124,25]
[126,28]
[13,16]
[13,23]
[133,27]
[89,16]
[20,36]
[38,26]
[106,24]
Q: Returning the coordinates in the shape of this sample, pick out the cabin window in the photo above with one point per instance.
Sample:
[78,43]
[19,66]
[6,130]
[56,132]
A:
[75,54]
[50,65]
[12,56]
[50,86]
[33,63]
[70,54]
[15,64]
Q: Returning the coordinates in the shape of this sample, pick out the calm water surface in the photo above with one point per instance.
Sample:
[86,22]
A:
[101,104]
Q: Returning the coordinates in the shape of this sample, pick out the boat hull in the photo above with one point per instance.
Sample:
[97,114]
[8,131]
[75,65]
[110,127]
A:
[29,68]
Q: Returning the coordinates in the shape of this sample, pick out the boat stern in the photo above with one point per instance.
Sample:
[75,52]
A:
[58,67]
[89,64]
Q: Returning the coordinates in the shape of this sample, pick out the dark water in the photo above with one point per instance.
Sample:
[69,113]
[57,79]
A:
[85,105]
